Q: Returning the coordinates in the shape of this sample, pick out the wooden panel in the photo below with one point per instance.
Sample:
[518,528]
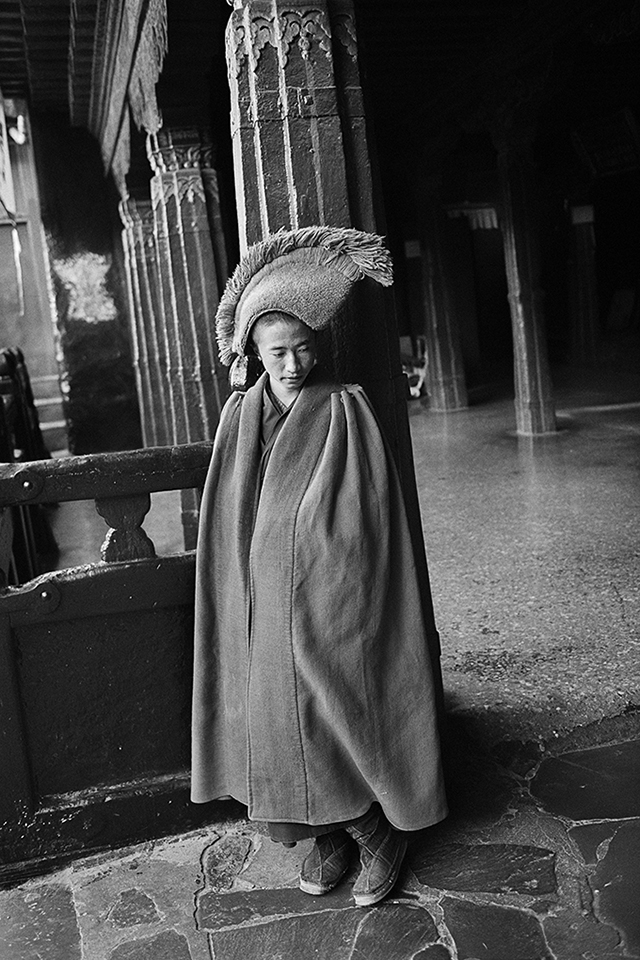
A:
[95,710]
[105,678]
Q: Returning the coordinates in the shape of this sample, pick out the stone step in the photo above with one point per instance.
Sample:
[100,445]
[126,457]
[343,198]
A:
[49,409]
[46,387]
[48,403]
[54,434]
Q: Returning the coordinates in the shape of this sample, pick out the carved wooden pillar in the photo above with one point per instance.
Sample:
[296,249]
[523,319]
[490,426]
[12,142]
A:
[583,291]
[150,358]
[446,383]
[302,157]
[188,282]
[535,412]
[183,198]
[285,123]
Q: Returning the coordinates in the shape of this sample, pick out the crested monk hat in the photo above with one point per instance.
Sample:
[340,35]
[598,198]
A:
[307,273]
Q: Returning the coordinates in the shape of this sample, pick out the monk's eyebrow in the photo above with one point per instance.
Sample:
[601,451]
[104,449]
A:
[284,346]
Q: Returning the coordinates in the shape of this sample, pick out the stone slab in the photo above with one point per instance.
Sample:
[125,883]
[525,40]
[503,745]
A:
[132,908]
[41,915]
[392,931]
[273,865]
[291,938]
[150,891]
[219,911]
[224,859]
[574,937]
[436,952]
[487,868]
[168,945]
[616,883]
[596,784]
[592,838]
[488,932]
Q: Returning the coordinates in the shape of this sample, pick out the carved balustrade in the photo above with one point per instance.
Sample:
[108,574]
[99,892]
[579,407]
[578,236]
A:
[96,666]
[121,485]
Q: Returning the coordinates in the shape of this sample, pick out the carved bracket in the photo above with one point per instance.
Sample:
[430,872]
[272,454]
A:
[174,150]
[345,32]
[183,186]
[250,32]
[305,26]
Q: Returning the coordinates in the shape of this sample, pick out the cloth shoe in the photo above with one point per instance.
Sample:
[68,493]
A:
[382,851]
[326,864]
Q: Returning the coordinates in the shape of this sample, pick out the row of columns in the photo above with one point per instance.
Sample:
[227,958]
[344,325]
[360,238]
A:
[534,408]
[302,156]
[176,266]
[518,220]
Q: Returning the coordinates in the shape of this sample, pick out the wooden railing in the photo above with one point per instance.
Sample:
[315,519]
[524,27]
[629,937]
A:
[119,483]
[96,667]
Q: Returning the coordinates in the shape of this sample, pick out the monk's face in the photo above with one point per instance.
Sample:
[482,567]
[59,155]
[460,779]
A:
[287,349]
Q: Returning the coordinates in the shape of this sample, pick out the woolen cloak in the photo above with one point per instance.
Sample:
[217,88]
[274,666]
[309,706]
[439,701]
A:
[313,694]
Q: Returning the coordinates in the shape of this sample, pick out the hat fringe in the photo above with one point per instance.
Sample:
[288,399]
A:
[352,252]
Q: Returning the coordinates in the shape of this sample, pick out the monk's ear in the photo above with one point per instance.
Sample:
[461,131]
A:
[252,349]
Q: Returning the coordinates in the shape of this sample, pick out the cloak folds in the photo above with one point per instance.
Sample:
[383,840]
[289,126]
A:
[313,693]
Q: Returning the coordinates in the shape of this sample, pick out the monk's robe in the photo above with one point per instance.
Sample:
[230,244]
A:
[313,692]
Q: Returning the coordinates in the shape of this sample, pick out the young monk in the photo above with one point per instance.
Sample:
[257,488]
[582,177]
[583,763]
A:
[313,694]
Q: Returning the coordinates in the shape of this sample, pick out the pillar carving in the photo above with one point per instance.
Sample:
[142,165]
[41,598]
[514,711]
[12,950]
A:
[149,347]
[446,384]
[191,270]
[534,406]
[285,118]
[189,279]
[302,157]
[583,290]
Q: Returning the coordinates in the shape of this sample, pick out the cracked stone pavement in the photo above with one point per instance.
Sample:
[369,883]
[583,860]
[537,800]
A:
[540,859]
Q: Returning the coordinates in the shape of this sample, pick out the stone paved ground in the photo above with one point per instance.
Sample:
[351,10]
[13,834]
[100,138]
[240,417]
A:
[533,555]
[539,859]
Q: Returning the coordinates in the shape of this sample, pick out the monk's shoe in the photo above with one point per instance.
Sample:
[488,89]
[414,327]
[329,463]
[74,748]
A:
[326,864]
[382,851]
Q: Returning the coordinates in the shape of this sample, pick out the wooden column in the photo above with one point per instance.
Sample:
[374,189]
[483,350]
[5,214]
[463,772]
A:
[446,383]
[583,290]
[534,406]
[190,276]
[302,157]
[189,282]
[145,302]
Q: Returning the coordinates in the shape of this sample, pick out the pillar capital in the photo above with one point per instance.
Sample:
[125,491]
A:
[176,149]
[256,25]
[297,108]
